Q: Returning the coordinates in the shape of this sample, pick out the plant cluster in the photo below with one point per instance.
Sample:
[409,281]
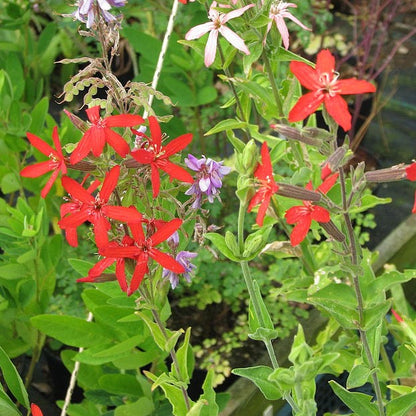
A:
[139,205]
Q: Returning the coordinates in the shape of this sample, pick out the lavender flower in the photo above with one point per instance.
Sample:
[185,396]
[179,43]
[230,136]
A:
[87,10]
[184,258]
[207,179]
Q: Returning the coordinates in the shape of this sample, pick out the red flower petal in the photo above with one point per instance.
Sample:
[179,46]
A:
[138,274]
[56,141]
[137,232]
[175,171]
[93,114]
[256,200]
[97,140]
[35,410]
[306,105]
[74,220]
[76,190]
[337,108]
[165,231]
[101,227]
[328,183]
[168,262]
[123,120]
[411,172]
[82,149]
[127,252]
[155,131]
[296,214]
[49,183]
[354,86]
[117,142]
[300,231]
[414,206]
[261,213]
[42,146]
[38,169]
[110,182]
[71,236]
[320,214]
[121,274]
[143,156]
[325,62]
[123,214]
[264,169]
[178,144]
[306,75]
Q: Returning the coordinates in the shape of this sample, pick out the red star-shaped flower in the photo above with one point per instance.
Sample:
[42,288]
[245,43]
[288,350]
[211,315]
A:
[96,209]
[326,88]
[34,408]
[56,162]
[303,215]
[100,133]
[411,175]
[143,248]
[264,176]
[157,156]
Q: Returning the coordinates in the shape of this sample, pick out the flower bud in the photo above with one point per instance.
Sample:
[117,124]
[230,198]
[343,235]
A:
[392,174]
[249,158]
[77,122]
[296,134]
[292,191]
[335,160]
[333,231]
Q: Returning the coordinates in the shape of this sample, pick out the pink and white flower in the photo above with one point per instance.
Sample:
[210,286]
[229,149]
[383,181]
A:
[215,26]
[278,11]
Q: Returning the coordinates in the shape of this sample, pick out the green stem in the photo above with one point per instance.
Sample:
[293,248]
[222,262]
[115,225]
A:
[358,294]
[37,350]
[255,301]
[273,84]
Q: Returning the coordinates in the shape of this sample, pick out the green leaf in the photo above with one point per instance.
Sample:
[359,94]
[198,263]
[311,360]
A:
[211,408]
[123,384]
[231,242]
[226,125]
[70,330]
[38,116]
[358,376]
[9,183]
[359,403]
[172,393]
[121,347]
[13,271]
[286,55]
[7,408]
[369,201]
[340,302]
[264,320]
[81,266]
[142,407]
[401,406]
[206,95]
[259,376]
[374,316]
[185,358]
[386,281]
[219,242]
[13,380]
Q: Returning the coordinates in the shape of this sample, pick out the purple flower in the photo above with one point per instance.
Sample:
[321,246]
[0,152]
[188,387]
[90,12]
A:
[87,10]
[183,258]
[207,179]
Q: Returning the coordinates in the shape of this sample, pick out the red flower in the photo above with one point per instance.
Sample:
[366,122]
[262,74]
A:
[303,215]
[411,175]
[95,273]
[100,133]
[96,209]
[72,206]
[143,248]
[326,88]
[56,162]
[35,410]
[157,156]
[264,175]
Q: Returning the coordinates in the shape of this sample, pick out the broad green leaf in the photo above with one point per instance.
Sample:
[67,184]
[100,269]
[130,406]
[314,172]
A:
[374,315]
[264,320]
[286,55]
[340,302]
[142,407]
[173,393]
[185,359]
[81,266]
[369,201]
[259,376]
[13,271]
[226,125]
[387,280]
[38,116]
[122,347]
[401,406]
[123,384]
[359,403]
[211,408]
[7,408]
[70,330]
[206,95]
[13,380]
[358,376]
[219,242]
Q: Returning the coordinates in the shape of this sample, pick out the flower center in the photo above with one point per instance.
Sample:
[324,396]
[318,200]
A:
[277,7]
[328,84]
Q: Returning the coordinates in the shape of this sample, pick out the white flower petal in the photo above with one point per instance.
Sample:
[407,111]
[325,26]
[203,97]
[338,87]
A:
[198,31]
[234,39]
